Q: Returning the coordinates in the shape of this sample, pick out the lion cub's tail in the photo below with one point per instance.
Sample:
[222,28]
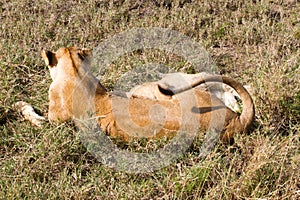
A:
[247,116]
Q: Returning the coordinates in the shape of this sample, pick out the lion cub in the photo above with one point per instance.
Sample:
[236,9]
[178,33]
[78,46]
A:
[75,93]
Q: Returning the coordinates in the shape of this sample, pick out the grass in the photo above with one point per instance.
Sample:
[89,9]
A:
[256,42]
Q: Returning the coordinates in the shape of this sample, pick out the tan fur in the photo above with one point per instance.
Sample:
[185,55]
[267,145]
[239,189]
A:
[29,114]
[224,92]
[74,92]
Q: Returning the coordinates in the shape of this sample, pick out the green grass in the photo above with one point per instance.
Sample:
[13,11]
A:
[256,42]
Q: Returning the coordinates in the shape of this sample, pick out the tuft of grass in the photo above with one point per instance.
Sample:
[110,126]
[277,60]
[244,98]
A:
[256,42]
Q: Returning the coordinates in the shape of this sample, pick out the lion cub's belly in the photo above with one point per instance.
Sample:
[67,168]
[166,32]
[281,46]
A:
[188,111]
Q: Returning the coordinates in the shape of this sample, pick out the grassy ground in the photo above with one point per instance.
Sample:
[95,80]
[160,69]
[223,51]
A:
[256,42]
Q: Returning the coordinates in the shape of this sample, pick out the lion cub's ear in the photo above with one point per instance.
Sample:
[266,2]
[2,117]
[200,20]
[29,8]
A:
[83,53]
[49,58]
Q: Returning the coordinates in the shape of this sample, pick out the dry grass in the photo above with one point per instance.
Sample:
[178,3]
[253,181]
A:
[256,42]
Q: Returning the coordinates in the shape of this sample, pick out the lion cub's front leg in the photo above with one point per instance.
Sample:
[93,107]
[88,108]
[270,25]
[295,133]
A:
[29,114]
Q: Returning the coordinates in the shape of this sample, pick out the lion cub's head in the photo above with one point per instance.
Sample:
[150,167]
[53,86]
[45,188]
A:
[65,61]
[73,87]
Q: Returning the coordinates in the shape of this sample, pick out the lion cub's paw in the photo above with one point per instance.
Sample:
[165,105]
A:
[29,114]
